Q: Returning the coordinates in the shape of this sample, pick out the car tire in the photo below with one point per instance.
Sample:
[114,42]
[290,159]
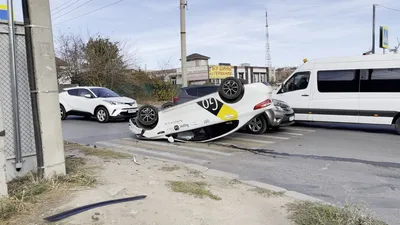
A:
[397,125]
[257,125]
[167,105]
[102,115]
[147,115]
[231,89]
[63,113]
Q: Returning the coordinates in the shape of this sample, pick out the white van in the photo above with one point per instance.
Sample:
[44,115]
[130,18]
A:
[360,89]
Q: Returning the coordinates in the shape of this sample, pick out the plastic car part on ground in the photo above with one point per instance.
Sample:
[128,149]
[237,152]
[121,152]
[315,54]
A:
[207,118]
[80,209]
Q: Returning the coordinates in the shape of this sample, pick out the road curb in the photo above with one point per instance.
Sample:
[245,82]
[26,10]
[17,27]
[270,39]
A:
[292,194]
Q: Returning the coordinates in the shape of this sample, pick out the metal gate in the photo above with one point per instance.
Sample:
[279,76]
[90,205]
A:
[27,138]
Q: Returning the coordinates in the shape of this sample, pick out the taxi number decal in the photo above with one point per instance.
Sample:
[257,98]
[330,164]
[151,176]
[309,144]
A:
[211,104]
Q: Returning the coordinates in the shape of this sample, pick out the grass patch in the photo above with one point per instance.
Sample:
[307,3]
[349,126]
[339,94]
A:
[267,193]
[197,189]
[25,191]
[310,213]
[169,168]
[195,173]
[99,152]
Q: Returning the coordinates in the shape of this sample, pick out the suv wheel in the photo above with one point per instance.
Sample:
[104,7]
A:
[397,125]
[102,115]
[63,114]
[257,125]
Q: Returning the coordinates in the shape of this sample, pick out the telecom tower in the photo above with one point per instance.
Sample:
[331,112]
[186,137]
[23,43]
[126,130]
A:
[268,62]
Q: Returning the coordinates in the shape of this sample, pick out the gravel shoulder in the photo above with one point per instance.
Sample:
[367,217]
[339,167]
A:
[169,201]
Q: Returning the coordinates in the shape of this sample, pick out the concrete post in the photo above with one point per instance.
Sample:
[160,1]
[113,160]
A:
[46,86]
[3,181]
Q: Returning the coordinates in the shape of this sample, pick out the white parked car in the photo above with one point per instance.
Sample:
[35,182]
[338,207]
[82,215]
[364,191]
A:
[100,102]
[206,118]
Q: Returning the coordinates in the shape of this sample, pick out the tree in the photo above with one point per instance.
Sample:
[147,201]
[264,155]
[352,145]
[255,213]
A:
[70,51]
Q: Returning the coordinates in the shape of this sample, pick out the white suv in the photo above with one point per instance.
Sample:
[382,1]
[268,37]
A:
[100,102]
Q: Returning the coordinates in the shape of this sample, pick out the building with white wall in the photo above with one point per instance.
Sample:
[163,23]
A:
[199,72]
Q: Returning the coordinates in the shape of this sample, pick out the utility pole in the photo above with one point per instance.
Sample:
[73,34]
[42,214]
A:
[44,87]
[183,5]
[373,27]
[14,87]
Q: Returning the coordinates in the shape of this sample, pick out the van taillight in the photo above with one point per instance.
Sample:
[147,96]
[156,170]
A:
[175,99]
[263,104]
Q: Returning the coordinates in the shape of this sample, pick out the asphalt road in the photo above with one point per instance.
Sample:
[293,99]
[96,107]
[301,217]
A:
[336,163]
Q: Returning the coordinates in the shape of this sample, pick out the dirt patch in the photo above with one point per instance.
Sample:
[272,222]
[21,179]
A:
[175,195]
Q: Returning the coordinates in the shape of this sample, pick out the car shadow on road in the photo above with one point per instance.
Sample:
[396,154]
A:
[92,119]
[369,128]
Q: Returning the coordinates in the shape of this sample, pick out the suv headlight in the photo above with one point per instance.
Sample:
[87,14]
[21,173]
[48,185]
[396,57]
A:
[113,102]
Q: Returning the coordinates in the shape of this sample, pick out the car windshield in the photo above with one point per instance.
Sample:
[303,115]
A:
[104,93]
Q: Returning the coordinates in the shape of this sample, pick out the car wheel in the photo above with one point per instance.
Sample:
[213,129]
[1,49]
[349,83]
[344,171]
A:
[167,105]
[147,115]
[231,88]
[63,114]
[102,115]
[257,125]
[397,125]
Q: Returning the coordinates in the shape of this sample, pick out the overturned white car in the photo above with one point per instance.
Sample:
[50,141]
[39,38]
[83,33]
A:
[207,118]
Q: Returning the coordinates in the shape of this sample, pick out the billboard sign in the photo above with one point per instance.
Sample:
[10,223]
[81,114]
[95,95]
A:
[3,12]
[195,73]
[384,37]
[220,72]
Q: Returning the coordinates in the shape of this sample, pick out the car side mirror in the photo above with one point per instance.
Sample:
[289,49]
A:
[88,96]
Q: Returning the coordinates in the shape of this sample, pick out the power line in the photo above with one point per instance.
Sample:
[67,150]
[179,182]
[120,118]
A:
[85,14]
[65,3]
[68,4]
[398,10]
[73,9]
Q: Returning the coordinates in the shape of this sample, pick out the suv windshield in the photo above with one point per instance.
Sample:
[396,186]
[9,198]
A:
[104,93]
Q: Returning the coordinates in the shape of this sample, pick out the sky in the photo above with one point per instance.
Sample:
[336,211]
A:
[228,31]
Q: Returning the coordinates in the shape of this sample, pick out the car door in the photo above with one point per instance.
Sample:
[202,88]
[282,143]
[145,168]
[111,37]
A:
[83,102]
[296,92]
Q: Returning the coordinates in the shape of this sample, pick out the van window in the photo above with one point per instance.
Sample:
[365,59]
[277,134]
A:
[298,81]
[337,81]
[382,80]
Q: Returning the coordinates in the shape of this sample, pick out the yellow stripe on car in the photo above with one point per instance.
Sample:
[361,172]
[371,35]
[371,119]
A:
[227,113]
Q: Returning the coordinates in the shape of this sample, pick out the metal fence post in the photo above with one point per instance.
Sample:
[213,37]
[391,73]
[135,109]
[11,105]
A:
[14,86]
[3,180]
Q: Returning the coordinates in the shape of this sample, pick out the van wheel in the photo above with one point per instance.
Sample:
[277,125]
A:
[147,115]
[257,125]
[231,88]
[397,125]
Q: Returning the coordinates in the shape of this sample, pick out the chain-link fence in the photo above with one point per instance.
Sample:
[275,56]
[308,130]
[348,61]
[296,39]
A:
[25,108]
